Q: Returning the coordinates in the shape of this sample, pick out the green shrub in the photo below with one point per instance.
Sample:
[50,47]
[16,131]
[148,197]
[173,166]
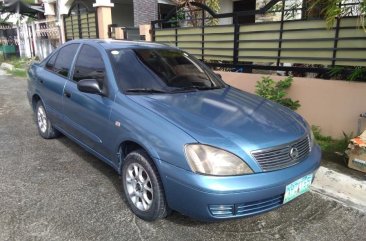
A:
[276,91]
[330,145]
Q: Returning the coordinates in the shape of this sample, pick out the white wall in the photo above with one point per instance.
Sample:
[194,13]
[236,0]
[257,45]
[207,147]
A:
[226,6]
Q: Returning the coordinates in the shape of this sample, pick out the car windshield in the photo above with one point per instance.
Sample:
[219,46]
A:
[156,70]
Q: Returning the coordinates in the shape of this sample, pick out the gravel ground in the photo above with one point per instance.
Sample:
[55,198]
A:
[54,190]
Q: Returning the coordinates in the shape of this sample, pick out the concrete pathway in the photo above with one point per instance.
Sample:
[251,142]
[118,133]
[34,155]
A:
[343,188]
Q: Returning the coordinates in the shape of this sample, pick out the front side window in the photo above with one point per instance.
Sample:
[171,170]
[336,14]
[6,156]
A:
[89,65]
[64,59]
[161,70]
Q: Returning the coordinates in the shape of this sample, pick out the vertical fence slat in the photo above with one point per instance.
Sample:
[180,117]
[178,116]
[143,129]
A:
[336,37]
[236,39]
[281,33]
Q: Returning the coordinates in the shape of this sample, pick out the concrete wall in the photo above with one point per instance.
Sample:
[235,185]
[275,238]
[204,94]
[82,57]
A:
[333,105]
[122,14]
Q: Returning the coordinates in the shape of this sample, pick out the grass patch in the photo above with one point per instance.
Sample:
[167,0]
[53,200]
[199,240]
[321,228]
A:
[22,73]
[330,145]
[19,63]
[20,66]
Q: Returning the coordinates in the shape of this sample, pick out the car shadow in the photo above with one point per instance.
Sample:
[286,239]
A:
[93,161]
[107,171]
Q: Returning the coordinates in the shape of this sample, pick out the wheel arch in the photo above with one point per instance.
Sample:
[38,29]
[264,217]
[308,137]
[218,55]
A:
[35,98]
[129,145]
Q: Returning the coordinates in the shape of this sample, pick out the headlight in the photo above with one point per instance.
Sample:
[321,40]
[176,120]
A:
[213,161]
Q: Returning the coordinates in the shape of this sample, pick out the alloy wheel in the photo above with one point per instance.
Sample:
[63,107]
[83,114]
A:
[42,119]
[139,186]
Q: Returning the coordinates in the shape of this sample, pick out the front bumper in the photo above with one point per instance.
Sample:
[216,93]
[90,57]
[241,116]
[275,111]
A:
[211,198]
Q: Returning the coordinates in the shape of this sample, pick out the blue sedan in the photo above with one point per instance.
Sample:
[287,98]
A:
[180,138]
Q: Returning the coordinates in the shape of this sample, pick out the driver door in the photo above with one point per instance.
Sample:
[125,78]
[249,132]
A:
[87,115]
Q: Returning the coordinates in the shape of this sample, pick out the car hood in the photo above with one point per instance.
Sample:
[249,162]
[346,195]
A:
[227,118]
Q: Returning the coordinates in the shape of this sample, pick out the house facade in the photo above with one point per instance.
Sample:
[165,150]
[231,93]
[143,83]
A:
[91,18]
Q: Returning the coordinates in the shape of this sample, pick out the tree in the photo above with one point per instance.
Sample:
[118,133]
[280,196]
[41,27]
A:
[333,9]
[194,15]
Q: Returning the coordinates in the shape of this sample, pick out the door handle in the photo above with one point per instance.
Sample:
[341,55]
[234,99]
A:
[67,94]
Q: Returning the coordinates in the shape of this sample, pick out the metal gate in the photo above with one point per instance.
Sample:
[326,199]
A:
[46,36]
[8,41]
[81,22]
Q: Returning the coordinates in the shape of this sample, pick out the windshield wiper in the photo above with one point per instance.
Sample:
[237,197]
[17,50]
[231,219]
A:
[145,90]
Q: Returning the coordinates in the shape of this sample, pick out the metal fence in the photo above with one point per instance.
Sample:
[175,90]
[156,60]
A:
[302,43]
[8,41]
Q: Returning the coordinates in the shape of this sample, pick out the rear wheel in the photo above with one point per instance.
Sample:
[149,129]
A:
[45,128]
[143,188]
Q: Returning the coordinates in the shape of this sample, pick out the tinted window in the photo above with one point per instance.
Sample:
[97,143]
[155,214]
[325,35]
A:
[64,59]
[51,62]
[161,69]
[89,65]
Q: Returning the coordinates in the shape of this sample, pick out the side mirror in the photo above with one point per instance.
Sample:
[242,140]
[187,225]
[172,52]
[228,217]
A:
[89,86]
[218,75]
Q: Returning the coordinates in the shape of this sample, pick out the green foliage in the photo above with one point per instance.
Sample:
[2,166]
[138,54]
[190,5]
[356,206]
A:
[20,66]
[195,16]
[332,9]
[22,73]
[336,72]
[276,91]
[357,74]
[215,6]
[330,145]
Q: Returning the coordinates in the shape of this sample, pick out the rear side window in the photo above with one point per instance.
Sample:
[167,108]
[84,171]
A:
[64,59]
[89,65]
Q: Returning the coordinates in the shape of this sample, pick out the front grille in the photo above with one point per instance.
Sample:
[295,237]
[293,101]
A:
[246,209]
[279,157]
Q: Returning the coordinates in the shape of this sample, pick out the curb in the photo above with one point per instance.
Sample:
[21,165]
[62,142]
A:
[341,188]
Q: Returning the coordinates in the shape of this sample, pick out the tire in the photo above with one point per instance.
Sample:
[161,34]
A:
[144,193]
[44,125]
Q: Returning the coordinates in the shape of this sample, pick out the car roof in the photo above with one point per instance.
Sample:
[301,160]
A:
[118,44]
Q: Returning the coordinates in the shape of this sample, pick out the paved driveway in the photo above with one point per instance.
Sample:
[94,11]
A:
[54,190]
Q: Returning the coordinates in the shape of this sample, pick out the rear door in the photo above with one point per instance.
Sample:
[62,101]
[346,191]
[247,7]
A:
[87,115]
[52,79]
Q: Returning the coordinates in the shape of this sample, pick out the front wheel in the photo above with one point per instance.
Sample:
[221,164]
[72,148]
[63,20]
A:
[142,187]
[45,128]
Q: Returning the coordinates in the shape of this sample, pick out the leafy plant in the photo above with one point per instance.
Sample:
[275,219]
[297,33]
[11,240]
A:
[357,74]
[335,72]
[330,145]
[276,91]
[333,9]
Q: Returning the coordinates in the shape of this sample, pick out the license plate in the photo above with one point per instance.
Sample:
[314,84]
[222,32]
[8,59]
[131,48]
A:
[297,188]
